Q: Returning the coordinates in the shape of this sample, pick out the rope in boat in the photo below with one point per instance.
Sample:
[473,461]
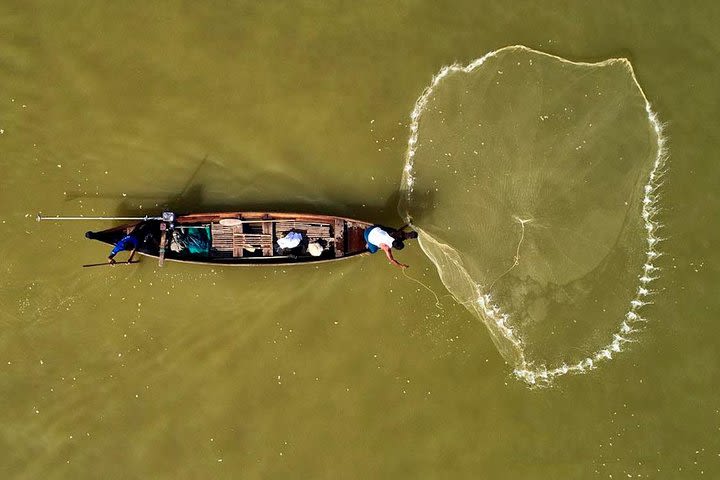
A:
[437,299]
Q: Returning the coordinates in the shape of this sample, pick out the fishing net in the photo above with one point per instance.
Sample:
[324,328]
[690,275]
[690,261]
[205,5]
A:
[532,182]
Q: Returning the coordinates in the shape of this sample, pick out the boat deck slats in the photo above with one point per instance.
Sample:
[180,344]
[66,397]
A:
[339,231]
[252,239]
[231,241]
[337,235]
[267,229]
[222,239]
[311,229]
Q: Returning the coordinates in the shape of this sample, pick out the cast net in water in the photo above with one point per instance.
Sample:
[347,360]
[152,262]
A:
[532,181]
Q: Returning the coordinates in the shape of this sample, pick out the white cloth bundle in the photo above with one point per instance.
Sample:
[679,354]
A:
[291,240]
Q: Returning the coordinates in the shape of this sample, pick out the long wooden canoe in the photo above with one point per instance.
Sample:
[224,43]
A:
[242,238]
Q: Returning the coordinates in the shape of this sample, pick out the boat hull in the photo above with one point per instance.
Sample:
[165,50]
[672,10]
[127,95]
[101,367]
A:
[243,238]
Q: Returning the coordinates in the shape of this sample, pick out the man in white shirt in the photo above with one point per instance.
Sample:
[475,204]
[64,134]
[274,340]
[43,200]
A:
[382,238]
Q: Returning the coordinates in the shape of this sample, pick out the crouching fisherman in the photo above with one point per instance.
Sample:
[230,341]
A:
[131,241]
[378,237]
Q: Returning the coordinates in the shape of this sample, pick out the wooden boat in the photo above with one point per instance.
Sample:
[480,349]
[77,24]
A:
[241,238]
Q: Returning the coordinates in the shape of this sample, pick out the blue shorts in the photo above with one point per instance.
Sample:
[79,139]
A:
[371,248]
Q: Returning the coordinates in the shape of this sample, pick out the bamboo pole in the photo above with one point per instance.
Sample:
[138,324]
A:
[145,218]
[131,262]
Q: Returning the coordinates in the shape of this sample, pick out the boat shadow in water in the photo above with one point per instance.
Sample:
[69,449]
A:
[194,199]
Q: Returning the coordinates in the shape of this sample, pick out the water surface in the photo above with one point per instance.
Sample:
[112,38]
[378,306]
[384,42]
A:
[340,371]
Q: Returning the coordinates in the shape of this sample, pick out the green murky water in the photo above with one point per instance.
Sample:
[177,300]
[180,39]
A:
[340,371]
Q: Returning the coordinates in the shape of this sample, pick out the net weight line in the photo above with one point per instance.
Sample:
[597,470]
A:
[516,258]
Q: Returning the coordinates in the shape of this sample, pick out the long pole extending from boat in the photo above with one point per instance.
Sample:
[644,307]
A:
[228,222]
[145,218]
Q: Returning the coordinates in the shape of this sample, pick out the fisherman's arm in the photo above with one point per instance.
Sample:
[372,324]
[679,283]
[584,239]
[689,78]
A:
[389,255]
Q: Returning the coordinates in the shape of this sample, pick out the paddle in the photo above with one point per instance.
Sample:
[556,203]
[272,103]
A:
[108,263]
[163,241]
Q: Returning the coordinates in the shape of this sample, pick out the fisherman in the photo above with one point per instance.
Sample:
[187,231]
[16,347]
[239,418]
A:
[131,241]
[379,237]
[128,242]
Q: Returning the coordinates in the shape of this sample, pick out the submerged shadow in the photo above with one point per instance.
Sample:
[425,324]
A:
[194,200]
[421,204]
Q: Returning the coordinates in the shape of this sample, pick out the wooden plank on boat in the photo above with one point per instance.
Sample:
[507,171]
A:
[313,230]
[250,241]
[238,244]
[267,229]
[163,241]
[254,239]
[339,236]
[355,237]
[222,240]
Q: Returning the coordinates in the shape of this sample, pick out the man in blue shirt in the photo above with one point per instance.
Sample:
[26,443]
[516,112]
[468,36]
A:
[128,242]
[141,233]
